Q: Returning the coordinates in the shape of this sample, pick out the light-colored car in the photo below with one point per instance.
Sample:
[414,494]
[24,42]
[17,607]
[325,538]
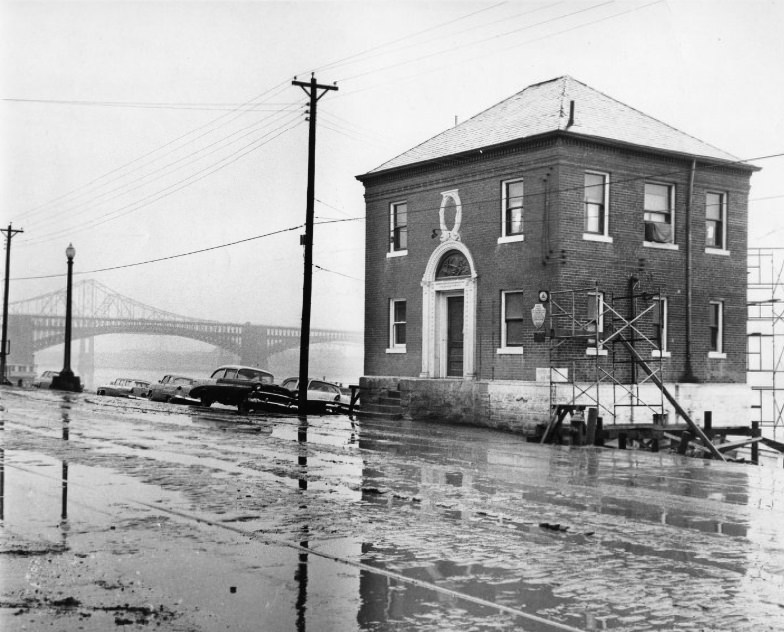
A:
[171,387]
[319,390]
[45,379]
[124,387]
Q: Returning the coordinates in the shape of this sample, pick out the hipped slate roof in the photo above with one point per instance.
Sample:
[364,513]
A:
[544,108]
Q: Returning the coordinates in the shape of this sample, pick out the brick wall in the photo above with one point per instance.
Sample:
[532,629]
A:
[555,255]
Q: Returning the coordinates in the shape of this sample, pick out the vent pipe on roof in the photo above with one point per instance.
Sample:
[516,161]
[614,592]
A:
[571,114]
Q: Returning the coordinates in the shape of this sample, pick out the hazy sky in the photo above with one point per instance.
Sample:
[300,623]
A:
[145,130]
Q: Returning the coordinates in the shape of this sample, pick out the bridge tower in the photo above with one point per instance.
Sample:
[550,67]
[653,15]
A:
[253,351]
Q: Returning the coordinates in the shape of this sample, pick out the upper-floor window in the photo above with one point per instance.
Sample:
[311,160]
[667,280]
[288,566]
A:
[397,325]
[512,214]
[595,205]
[398,226]
[716,220]
[716,329]
[512,322]
[659,213]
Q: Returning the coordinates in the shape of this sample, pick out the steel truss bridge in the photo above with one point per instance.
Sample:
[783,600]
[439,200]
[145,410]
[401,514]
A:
[39,322]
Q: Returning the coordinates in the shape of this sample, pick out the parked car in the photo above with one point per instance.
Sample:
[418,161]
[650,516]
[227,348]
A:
[171,387]
[318,390]
[45,379]
[232,385]
[125,387]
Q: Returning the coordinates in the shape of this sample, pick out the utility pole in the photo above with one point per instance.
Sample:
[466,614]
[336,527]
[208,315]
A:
[315,91]
[9,233]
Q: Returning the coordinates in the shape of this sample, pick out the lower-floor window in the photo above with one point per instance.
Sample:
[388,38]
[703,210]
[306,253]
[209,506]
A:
[397,324]
[660,317]
[716,326]
[512,323]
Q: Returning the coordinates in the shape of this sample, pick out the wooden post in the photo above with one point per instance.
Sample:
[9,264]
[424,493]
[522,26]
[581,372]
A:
[755,432]
[622,441]
[685,438]
[593,415]
[599,432]
[708,424]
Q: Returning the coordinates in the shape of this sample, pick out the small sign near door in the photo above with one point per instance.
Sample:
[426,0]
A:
[538,315]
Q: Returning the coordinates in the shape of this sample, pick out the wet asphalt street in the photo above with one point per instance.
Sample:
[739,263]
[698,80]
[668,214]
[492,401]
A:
[132,515]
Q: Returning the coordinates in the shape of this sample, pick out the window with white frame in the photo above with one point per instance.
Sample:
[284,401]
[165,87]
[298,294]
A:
[595,200]
[716,329]
[397,325]
[398,227]
[595,323]
[512,322]
[512,214]
[716,220]
[659,213]
[660,317]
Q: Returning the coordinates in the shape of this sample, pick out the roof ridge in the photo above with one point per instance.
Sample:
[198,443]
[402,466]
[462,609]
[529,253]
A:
[653,118]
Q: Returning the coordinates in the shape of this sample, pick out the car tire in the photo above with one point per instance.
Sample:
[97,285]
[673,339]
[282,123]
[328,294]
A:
[100,393]
[206,401]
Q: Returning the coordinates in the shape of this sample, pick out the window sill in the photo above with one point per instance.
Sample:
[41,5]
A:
[509,351]
[717,355]
[596,237]
[510,238]
[397,253]
[395,350]
[660,246]
[717,251]
[593,351]
[660,354]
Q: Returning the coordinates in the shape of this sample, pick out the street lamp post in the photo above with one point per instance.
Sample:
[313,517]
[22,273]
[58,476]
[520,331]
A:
[67,381]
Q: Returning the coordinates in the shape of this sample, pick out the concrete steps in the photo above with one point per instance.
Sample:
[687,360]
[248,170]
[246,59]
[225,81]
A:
[388,406]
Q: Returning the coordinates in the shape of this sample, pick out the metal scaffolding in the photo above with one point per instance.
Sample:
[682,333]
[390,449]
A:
[765,349]
[597,342]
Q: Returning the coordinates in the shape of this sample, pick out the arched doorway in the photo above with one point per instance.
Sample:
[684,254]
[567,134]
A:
[449,313]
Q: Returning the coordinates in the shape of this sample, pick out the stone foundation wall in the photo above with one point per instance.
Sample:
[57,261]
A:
[519,406]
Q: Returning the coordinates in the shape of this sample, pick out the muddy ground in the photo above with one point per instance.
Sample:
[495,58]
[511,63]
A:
[131,515]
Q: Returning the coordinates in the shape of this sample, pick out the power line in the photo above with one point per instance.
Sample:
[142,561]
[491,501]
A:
[479,41]
[148,178]
[364,53]
[171,189]
[272,107]
[238,112]
[166,258]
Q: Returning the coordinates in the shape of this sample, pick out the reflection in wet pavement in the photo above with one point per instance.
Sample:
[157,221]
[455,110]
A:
[198,519]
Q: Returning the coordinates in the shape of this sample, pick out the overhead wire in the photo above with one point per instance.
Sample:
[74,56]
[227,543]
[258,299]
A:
[229,107]
[237,113]
[482,40]
[148,178]
[173,188]
[350,219]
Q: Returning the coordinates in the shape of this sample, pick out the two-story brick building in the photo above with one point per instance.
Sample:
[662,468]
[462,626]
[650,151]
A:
[637,233]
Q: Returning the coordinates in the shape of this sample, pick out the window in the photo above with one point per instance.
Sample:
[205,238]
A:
[595,323]
[397,326]
[512,322]
[512,209]
[715,220]
[398,225]
[659,213]
[595,204]
[660,317]
[716,329]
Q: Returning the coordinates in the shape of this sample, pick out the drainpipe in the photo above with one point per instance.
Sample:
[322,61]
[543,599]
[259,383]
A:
[688,371]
